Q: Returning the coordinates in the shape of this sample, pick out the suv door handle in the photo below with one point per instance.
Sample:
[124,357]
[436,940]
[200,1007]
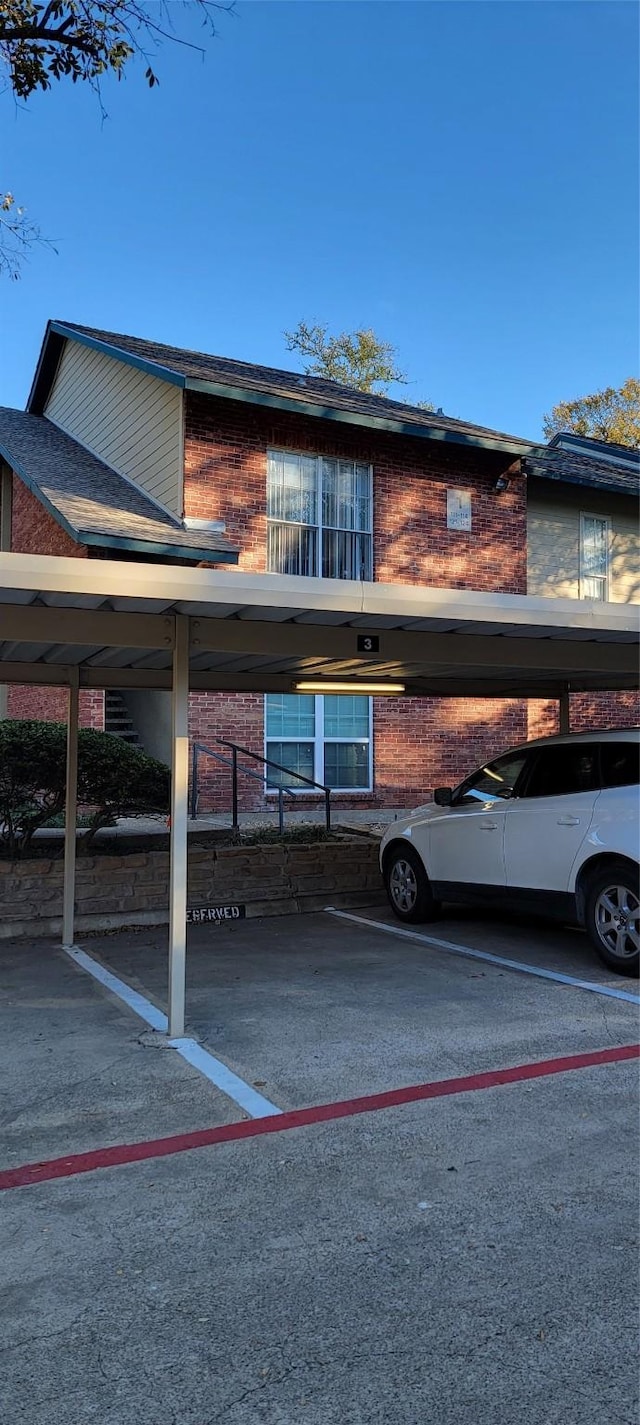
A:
[488,826]
[568,821]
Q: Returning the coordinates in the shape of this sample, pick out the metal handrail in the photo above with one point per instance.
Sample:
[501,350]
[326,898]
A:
[232,762]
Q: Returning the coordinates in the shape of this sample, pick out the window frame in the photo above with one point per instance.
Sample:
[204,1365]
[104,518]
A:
[582,576]
[318,526]
[319,742]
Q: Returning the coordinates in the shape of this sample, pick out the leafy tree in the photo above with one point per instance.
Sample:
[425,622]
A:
[82,40]
[359,359]
[612,415]
[114,779]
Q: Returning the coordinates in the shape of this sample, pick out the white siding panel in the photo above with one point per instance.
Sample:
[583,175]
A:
[553,551]
[553,542]
[624,568]
[130,420]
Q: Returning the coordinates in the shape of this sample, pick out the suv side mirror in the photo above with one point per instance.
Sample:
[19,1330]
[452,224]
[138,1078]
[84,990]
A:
[442,796]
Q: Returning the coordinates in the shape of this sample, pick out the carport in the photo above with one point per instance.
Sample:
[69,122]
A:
[113,624]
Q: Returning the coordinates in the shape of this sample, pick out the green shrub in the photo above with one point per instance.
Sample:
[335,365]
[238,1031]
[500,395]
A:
[32,778]
[114,779]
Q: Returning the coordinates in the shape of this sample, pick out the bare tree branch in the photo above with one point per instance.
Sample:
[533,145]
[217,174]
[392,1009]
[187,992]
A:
[17,236]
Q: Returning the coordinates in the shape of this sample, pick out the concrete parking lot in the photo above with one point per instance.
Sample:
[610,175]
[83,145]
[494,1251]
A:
[411,1249]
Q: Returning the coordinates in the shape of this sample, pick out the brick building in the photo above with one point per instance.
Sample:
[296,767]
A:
[165,455]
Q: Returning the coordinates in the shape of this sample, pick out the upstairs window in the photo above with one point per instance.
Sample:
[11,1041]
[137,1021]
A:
[594,557]
[319,514]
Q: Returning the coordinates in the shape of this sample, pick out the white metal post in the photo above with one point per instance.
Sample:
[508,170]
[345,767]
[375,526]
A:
[6,506]
[564,707]
[179,813]
[71,808]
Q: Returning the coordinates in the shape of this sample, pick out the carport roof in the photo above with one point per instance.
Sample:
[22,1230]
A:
[116,623]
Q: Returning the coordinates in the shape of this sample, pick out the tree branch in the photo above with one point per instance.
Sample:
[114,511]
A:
[58,37]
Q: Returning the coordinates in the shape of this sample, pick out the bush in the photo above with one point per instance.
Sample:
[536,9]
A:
[32,778]
[114,779]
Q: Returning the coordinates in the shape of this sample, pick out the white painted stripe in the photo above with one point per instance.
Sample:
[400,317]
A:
[193,1053]
[224,1078]
[137,1002]
[465,950]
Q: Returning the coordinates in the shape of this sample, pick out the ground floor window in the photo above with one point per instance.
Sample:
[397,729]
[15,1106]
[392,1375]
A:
[325,738]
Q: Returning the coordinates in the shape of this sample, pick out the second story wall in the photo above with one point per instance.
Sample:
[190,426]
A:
[226,460]
[34,530]
[130,420]
[555,544]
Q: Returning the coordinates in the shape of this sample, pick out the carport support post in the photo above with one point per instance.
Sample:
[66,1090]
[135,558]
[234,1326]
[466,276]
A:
[565,710]
[71,808]
[179,812]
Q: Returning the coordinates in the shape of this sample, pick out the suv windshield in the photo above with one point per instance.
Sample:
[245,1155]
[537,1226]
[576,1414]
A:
[493,782]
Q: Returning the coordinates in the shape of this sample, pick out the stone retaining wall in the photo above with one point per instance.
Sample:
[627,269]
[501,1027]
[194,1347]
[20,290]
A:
[117,891]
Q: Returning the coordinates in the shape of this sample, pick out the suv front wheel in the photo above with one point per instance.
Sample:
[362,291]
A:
[408,886]
[612,917]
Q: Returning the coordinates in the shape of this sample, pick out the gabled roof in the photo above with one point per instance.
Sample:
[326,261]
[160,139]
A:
[588,445]
[262,385]
[92,502]
[577,467]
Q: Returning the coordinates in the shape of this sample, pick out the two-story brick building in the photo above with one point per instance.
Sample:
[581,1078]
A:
[161,454]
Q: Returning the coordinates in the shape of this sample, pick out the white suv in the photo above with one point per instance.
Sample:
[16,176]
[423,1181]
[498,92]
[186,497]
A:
[550,827]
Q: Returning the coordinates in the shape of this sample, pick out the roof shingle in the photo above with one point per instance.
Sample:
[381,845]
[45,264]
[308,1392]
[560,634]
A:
[574,468]
[326,398]
[95,504]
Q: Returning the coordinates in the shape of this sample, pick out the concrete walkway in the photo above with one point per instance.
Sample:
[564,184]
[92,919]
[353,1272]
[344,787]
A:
[374,820]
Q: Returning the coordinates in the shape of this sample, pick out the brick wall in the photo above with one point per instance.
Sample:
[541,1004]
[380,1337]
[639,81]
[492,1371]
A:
[239,718]
[226,446]
[34,531]
[587,710]
[417,742]
[51,704]
[422,743]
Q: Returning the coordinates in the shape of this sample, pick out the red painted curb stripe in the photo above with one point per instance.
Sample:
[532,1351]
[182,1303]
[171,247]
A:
[300,1117]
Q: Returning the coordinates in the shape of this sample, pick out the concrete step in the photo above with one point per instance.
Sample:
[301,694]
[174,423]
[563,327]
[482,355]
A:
[117,720]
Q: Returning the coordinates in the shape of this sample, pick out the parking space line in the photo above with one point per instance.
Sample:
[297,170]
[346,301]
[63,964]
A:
[193,1053]
[450,947]
[120,1154]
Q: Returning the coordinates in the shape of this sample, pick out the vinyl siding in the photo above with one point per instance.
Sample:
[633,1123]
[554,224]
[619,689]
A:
[130,420]
[553,541]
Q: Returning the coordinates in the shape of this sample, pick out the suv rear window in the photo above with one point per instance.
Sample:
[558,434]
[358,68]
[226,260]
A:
[620,764]
[561,770]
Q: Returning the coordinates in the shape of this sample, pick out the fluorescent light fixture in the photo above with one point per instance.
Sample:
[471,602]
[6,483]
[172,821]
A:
[326,685]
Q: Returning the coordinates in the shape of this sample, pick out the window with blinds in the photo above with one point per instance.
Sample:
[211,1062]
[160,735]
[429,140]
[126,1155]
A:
[319,516]
[594,557]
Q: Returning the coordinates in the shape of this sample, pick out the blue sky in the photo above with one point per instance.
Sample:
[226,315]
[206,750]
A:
[460,176]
